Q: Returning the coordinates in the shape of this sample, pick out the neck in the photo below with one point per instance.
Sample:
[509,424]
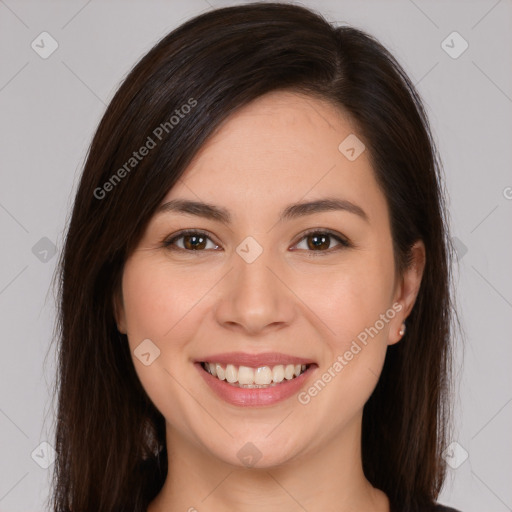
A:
[326,477]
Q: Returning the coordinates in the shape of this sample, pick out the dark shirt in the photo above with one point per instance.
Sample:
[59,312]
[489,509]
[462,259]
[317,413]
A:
[435,508]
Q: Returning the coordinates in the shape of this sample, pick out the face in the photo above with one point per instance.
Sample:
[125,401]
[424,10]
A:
[258,286]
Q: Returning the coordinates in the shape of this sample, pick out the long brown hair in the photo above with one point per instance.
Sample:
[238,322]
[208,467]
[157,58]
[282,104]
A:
[110,438]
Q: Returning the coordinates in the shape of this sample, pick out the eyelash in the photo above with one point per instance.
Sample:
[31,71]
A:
[344,243]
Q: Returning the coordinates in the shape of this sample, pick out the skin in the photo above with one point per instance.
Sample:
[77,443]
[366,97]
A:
[280,149]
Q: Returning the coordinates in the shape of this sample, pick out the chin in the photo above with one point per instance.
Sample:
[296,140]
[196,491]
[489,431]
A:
[260,453]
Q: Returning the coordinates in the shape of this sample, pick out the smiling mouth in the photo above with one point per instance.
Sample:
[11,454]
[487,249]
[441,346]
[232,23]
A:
[261,377]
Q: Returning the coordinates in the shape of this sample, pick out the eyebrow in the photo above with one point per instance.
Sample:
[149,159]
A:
[292,211]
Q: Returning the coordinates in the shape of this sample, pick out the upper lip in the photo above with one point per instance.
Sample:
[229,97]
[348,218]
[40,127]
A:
[254,360]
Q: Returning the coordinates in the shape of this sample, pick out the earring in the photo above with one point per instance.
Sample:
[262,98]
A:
[402,330]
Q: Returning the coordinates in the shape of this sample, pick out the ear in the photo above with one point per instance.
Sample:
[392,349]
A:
[407,288]
[119,313]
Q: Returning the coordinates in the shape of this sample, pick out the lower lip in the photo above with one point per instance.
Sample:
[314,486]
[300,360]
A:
[251,397]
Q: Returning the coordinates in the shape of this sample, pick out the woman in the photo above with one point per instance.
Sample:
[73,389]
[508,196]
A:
[255,303]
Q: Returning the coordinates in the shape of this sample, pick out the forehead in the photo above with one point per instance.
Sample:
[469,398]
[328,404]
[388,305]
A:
[280,148]
[279,124]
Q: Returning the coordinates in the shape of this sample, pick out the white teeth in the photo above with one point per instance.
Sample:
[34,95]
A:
[288,371]
[262,375]
[231,373]
[221,374]
[213,369]
[255,377]
[278,373]
[245,375]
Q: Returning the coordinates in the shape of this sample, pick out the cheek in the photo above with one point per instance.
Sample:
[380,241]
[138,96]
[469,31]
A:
[155,299]
[352,297]
[354,305]
[156,304]
[145,307]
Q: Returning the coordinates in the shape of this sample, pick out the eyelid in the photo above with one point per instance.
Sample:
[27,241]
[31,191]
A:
[343,241]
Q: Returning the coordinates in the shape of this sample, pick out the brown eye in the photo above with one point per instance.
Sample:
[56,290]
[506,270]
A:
[320,241]
[197,241]
[192,241]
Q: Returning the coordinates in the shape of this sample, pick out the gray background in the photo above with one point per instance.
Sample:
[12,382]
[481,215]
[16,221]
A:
[51,107]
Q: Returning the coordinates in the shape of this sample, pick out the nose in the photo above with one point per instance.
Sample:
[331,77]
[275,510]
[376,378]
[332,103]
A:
[255,298]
